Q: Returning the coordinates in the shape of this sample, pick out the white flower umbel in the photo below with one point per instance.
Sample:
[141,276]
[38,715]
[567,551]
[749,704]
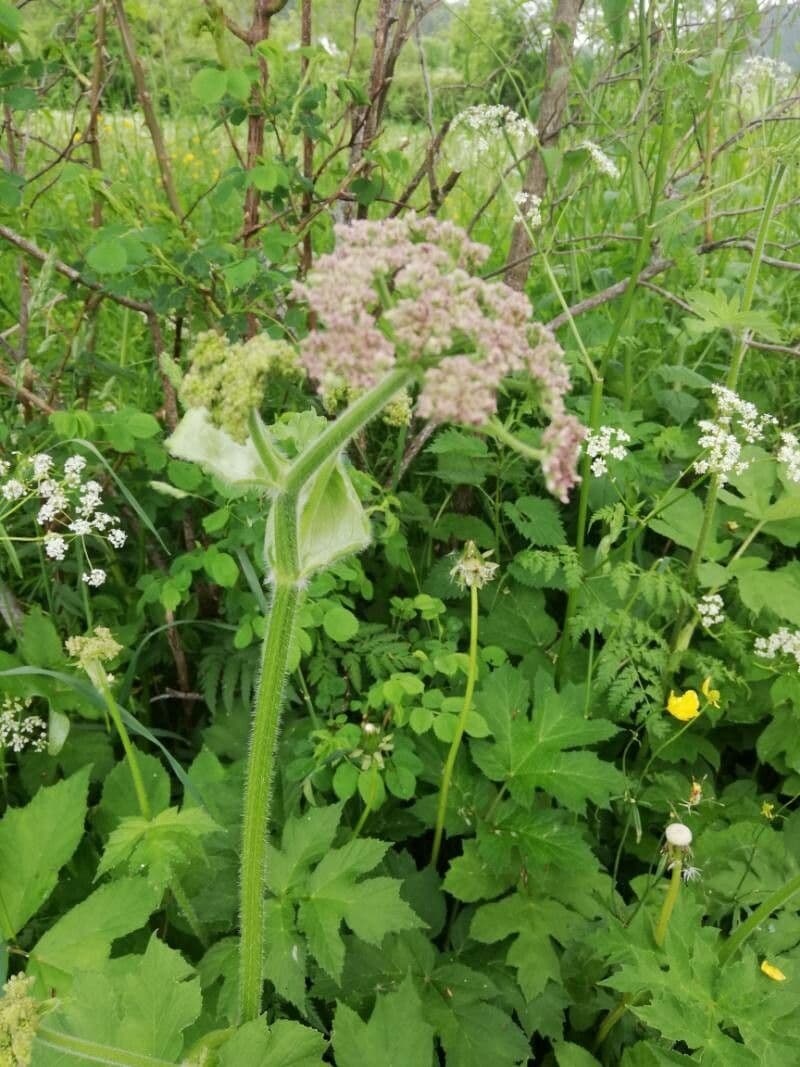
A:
[760,74]
[789,453]
[13,489]
[710,608]
[603,163]
[481,130]
[18,730]
[738,422]
[95,577]
[55,546]
[783,642]
[604,444]
[528,209]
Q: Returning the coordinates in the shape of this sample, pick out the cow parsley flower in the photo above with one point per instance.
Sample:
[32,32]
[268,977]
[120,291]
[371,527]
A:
[782,643]
[18,730]
[42,465]
[95,577]
[528,209]
[55,546]
[737,422]
[13,489]
[789,453]
[480,130]
[710,608]
[760,73]
[117,537]
[602,162]
[604,444]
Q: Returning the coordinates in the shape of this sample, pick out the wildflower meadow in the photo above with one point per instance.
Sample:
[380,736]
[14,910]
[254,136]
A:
[399,526]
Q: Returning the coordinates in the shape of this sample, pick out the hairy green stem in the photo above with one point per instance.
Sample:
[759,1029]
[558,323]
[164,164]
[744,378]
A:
[776,900]
[447,774]
[92,1052]
[286,601]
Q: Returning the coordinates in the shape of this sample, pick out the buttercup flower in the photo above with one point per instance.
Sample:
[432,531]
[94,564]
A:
[684,707]
[711,695]
[773,972]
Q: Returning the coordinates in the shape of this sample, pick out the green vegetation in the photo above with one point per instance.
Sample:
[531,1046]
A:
[399,512]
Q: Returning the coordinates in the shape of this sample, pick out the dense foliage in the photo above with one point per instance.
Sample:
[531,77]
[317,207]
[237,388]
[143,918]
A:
[399,511]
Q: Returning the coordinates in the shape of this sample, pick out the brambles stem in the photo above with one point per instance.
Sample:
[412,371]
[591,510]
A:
[455,744]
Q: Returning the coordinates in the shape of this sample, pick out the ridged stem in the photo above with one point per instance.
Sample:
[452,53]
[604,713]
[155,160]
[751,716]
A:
[99,677]
[92,1052]
[286,600]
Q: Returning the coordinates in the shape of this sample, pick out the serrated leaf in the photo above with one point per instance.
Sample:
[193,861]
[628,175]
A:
[35,842]
[161,845]
[284,1044]
[396,1035]
[81,939]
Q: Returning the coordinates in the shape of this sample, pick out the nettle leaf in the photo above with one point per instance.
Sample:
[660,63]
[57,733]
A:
[35,843]
[533,753]
[140,1004]
[396,1035]
[284,1044]
[317,888]
[162,845]
[81,939]
[537,519]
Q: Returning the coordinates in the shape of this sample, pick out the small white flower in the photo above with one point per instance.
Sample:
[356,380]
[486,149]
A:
[95,577]
[691,874]
[5,467]
[602,162]
[19,731]
[13,489]
[72,469]
[55,546]
[529,209]
[721,438]
[604,444]
[42,464]
[783,642]
[117,537]
[759,73]
[80,527]
[710,608]
[47,487]
[789,453]
[101,520]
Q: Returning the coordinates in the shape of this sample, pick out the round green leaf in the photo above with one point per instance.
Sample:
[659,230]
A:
[107,257]
[210,85]
[340,624]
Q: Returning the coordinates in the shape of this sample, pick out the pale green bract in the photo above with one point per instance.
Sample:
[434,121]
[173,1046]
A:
[198,440]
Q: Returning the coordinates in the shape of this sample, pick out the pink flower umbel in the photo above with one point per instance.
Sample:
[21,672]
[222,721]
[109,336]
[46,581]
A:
[404,292]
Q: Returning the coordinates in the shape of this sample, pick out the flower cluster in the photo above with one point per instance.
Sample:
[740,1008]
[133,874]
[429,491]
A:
[602,162]
[528,209]
[99,647]
[789,453]
[710,608]
[477,131]
[604,444]
[404,291]
[19,1019]
[18,730]
[758,72]
[738,422]
[473,568]
[783,642]
[228,379]
[69,508]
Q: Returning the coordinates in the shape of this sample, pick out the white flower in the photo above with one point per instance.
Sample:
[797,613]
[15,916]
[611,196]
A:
[789,453]
[529,207]
[47,487]
[95,577]
[710,608]
[5,467]
[91,499]
[55,546]
[607,442]
[117,537]
[721,438]
[761,72]
[678,835]
[42,464]
[473,568]
[691,874]
[13,489]
[101,519]
[72,469]
[782,642]
[19,731]
[479,130]
[604,163]
[80,527]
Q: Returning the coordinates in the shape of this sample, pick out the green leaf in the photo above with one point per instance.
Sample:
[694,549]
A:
[285,953]
[81,939]
[198,440]
[535,924]
[35,842]
[119,798]
[209,85]
[10,22]
[396,1035]
[162,844]
[40,643]
[615,13]
[528,754]
[238,84]
[778,591]
[107,257]
[284,1044]
[340,624]
[221,567]
[517,621]
[569,1055]
[537,519]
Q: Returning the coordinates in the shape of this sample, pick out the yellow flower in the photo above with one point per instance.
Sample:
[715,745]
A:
[775,973]
[711,695]
[684,707]
[76,136]
[189,157]
[768,810]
